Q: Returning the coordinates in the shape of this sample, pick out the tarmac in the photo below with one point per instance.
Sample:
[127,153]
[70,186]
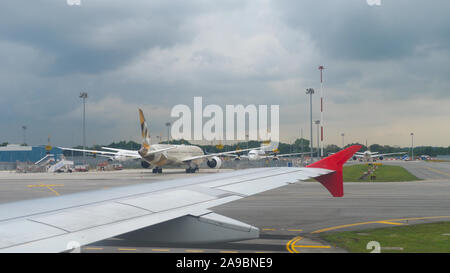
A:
[290,218]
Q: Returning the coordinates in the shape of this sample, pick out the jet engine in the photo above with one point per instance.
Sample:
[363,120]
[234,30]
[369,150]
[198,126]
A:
[381,157]
[214,162]
[275,158]
[145,164]
[354,158]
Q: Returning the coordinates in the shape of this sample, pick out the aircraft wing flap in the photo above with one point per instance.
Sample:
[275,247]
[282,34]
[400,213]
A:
[167,200]
[247,175]
[214,218]
[23,230]
[250,187]
[90,216]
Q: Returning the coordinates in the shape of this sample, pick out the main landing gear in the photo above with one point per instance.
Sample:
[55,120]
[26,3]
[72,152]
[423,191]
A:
[157,170]
[191,170]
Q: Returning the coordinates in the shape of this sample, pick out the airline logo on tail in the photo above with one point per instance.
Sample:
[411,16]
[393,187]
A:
[144,131]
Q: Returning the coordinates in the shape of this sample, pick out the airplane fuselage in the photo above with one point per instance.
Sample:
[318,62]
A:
[256,154]
[173,156]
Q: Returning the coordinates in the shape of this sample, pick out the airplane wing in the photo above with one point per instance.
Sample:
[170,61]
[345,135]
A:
[230,153]
[87,151]
[135,153]
[127,153]
[282,155]
[118,150]
[378,155]
[182,206]
[358,155]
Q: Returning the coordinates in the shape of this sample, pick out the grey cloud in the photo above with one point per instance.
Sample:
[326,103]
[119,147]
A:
[162,53]
[73,34]
[354,30]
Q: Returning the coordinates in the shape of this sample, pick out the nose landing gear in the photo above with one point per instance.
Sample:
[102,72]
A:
[191,170]
[157,170]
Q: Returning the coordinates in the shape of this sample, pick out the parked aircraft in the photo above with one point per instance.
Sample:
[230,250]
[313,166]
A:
[372,156]
[159,155]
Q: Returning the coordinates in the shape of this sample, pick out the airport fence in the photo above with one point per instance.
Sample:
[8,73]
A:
[8,166]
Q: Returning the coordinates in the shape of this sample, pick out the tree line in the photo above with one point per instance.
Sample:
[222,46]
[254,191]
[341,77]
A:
[299,145]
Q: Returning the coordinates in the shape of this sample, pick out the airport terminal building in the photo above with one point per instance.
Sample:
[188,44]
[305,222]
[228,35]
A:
[18,153]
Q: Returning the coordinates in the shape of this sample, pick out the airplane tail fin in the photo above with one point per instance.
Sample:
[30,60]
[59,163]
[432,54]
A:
[334,181]
[269,146]
[144,131]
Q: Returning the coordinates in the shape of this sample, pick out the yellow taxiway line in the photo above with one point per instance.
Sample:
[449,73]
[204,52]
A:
[161,249]
[93,248]
[48,186]
[388,222]
[194,250]
[310,246]
[437,171]
[292,244]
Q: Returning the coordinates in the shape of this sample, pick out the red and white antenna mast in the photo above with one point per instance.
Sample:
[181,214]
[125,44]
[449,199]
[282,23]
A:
[321,68]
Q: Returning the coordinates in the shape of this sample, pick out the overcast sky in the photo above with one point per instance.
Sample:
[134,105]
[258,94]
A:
[387,67]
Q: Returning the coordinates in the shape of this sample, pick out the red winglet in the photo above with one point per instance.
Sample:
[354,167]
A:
[333,181]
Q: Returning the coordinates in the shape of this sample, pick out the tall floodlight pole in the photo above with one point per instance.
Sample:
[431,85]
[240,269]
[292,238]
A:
[24,134]
[317,122]
[301,143]
[84,96]
[310,92]
[168,131]
[343,146]
[412,146]
[246,137]
[321,68]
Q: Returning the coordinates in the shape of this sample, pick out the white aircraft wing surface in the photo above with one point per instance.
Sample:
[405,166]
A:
[87,151]
[127,153]
[282,155]
[66,222]
[135,153]
[230,153]
[378,155]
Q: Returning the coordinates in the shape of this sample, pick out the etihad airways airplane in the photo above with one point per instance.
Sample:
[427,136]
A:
[158,155]
[171,211]
[268,151]
[372,156]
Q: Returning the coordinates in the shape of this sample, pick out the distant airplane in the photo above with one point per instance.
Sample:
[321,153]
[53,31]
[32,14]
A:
[158,155]
[372,156]
[266,151]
